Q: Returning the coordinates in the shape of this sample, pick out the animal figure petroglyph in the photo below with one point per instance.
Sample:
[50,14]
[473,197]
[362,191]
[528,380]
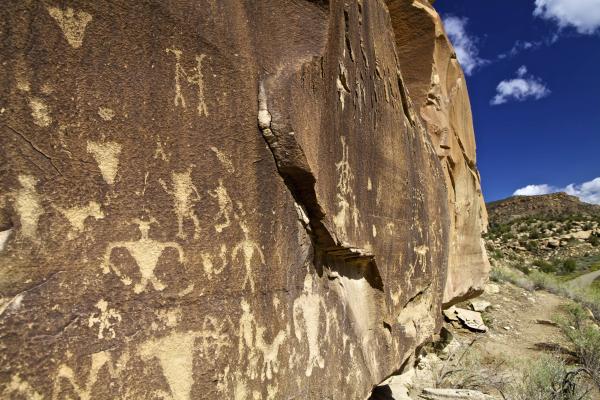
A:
[252,345]
[146,253]
[247,248]
[183,191]
[196,79]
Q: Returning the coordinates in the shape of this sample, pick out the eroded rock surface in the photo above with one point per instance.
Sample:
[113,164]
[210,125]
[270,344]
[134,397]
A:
[438,89]
[224,199]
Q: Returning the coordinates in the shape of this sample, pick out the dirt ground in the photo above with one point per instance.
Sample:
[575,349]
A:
[521,325]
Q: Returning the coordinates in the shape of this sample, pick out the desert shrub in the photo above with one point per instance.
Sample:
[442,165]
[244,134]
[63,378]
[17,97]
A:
[523,268]
[531,246]
[545,266]
[594,240]
[534,235]
[585,339]
[549,378]
[569,266]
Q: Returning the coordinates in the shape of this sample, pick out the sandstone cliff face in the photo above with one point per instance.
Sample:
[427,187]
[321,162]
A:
[224,199]
[438,89]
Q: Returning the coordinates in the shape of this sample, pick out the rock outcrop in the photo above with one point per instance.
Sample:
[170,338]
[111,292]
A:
[224,199]
[438,89]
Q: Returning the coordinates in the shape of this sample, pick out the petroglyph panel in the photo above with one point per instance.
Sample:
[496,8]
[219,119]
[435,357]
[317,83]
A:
[202,207]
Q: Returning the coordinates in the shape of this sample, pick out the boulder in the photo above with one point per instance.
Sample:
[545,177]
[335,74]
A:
[469,319]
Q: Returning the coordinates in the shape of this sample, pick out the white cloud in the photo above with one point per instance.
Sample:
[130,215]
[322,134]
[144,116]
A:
[464,44]
[587,191]
[518,47]
[520,88]
[583,15]
[534,190]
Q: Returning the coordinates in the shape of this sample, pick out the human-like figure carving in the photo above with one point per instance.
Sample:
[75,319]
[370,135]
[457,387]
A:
[146,253]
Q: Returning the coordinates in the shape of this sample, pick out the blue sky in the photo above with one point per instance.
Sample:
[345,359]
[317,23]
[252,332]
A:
[533,72]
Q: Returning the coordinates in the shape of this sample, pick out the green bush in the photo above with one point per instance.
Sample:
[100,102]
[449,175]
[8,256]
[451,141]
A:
[594,240]
[585,339]
[534,235]
[549,378]
[545,266]
[569,266]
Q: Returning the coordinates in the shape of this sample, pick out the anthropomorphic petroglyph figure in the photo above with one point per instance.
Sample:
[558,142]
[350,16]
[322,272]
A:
[307,312]
[196,79]
[146,253]
[183,197]
[348,213]
[248,249]
[106,319]
[225,206]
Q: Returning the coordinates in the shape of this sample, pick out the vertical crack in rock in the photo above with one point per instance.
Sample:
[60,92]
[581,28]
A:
[301,184]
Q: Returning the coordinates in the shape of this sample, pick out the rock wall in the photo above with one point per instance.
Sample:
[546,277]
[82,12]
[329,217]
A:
[216,199]
[438,89]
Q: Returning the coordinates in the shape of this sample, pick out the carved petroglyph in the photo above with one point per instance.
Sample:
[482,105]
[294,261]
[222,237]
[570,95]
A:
[79,214]
[146,253]
[40,112]
[183,198]
[207,262]
[247,248]
[224,159]
[107,156]
[72,23]
[307,312]
[214,337]
[20,388]
[160,152]
[28,206]
[420,259]
[348,213]
[253,346]
[175,353]
[99,360]
[225,206]
[106,319]
[195,78]
[106,113]
[342,85]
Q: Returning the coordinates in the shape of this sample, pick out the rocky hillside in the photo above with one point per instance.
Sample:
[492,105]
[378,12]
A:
[540,231]
[549,206]
[229,199]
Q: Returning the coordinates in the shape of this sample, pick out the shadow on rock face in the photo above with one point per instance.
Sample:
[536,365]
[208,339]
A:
[381,393]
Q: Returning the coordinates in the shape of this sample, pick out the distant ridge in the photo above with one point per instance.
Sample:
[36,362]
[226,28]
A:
[547,205]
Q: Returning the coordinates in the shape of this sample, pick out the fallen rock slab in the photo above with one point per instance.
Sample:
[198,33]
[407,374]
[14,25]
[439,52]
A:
[469,319]
[453,394]
[480,305]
